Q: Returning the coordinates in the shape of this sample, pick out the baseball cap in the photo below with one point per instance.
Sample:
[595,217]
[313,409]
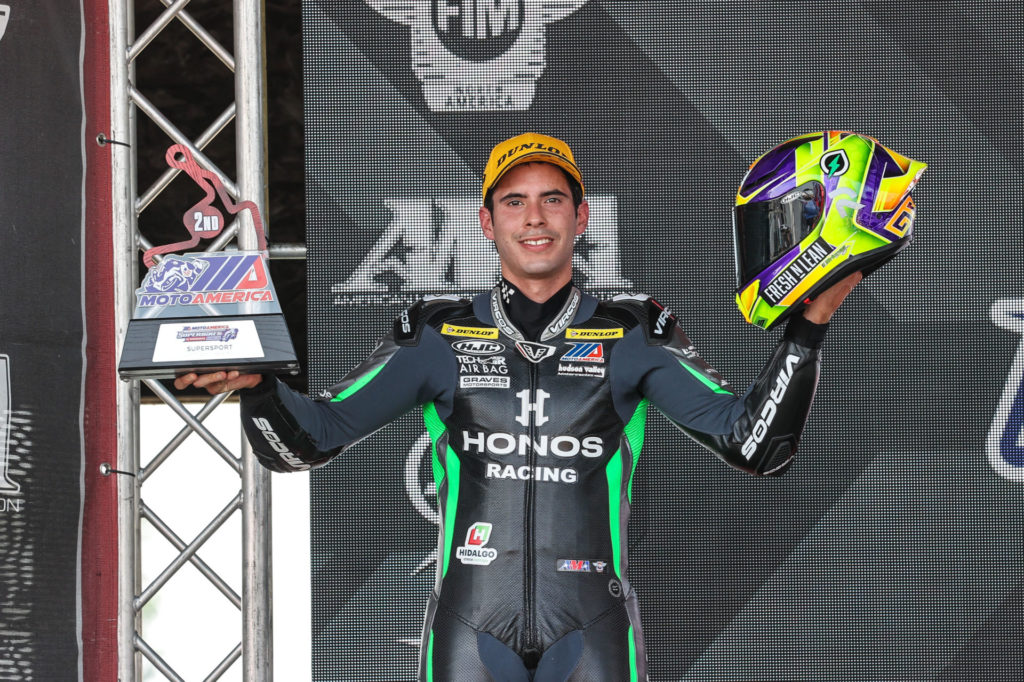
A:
[526,148]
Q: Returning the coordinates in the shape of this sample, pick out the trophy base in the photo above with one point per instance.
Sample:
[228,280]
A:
[163,348]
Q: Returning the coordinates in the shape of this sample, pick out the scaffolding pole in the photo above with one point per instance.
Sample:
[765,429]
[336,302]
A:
[253,496]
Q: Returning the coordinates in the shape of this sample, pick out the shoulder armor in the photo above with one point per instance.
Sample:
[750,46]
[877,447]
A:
[428,311]
[641,310]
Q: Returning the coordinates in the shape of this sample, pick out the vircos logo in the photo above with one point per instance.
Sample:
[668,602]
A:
[477,55]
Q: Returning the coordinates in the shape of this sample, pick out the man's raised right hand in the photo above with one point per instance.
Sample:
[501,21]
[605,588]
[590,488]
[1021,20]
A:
[218,382]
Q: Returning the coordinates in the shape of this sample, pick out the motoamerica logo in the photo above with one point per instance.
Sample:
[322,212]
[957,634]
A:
[477,55]
[1005,444]
[191,279]
[434,245]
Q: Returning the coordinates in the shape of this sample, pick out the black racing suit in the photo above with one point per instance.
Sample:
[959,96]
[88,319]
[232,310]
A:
[534,448]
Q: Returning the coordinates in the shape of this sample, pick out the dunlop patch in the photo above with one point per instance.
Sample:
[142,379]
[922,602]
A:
[615,333]
[472,332]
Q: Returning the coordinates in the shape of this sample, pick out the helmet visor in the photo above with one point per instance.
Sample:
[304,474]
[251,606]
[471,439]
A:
[765,230]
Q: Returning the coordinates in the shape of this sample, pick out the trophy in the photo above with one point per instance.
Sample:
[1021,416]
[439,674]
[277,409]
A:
[206,311]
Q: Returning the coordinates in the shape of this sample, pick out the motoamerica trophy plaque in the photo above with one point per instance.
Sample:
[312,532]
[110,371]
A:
[206,311]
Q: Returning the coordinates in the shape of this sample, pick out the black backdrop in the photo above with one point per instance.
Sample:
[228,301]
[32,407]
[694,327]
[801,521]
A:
[41,353]
[893,549]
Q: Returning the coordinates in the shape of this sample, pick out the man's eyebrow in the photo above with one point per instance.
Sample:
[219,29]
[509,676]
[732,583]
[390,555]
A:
[520,195]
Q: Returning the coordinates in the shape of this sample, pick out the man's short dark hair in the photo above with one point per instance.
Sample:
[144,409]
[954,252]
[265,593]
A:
[575,189]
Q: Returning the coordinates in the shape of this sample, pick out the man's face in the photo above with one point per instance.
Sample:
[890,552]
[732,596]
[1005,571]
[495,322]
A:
[533,223]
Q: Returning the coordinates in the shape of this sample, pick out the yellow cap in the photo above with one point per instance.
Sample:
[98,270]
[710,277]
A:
[527,148]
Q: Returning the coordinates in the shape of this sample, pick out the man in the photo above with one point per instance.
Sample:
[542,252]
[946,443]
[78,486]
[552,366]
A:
[535,396]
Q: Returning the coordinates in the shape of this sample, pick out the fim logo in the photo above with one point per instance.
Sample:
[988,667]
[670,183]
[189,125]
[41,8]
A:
[1005,444]
[477,55]
[474,552]
[432,245]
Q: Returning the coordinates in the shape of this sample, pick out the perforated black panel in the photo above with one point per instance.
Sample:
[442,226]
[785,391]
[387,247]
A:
[892,548]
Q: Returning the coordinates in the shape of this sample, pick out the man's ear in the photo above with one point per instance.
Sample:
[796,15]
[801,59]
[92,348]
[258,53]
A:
[582,217]
[485,223]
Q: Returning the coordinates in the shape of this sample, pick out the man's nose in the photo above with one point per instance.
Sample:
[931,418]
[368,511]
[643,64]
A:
[534,216]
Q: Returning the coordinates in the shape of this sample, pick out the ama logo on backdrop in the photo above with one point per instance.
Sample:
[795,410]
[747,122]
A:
[1005,444]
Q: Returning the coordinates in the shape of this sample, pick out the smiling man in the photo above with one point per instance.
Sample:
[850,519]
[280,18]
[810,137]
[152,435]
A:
[535,395]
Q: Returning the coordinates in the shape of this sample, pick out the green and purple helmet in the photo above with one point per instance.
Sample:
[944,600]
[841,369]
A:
[813,210]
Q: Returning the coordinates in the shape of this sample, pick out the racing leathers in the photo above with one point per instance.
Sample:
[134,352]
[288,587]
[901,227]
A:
[534,448]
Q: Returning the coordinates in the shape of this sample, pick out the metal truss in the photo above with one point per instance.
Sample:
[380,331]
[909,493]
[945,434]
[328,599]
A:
[253,495]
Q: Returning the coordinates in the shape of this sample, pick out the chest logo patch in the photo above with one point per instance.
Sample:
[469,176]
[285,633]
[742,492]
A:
[535,352]
[478,347]
[590,351]
[581,334]
[475,552]
[474,332]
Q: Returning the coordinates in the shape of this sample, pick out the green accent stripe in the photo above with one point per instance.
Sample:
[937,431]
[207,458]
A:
[635,437]
[362,381]
[450,469]
[704,380]
[634,674]
[614,473]
[430,655]
[634,432]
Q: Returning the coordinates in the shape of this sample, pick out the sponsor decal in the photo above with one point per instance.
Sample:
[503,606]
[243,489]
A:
[483,382]
[615,588]
[845,199]
[274,441]
[663,324]
[407,261]
[207,332]
[1005,442]
[473,55]
[498,313]
[594,333]
[528,406]
[585,352]
[499,444]
[475,552]
[770,408]
[834,163]
[472,364]
[475,332]
[573,565]
[789,277]
[581,371]
[403,319]
[531,473]
[566,317]
[181,342]
[535,352]
[599,566]
[485,365]
[902,221]
[478,347]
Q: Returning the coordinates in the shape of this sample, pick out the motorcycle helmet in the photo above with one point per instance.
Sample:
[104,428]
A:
[814,210]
